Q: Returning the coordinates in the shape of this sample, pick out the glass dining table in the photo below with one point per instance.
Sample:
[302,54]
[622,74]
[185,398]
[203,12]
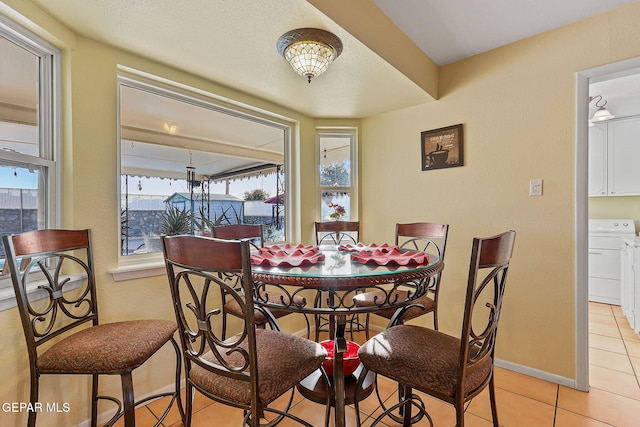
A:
[341,274]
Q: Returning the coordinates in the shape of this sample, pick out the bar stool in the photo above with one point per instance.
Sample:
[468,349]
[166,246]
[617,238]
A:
[54,260]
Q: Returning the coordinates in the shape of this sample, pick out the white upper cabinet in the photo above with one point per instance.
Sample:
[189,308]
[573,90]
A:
[614,158]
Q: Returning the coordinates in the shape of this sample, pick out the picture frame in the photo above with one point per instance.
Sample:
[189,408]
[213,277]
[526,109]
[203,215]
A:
[442,148]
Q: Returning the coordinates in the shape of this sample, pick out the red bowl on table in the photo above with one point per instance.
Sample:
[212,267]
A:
[351,359]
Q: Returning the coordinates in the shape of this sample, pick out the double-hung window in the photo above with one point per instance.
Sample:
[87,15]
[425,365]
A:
[29,136]
[337,173]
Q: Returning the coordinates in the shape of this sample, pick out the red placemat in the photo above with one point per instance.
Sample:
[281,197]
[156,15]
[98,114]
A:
[282,258]
[394,257]
[385,247]
[289,249]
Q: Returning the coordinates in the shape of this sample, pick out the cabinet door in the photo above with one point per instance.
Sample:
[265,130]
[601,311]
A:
[598,160]
[623,138]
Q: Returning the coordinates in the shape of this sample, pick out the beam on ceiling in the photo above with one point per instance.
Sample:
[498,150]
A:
[365,21]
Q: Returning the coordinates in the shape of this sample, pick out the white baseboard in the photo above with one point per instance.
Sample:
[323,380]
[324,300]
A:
[536,373]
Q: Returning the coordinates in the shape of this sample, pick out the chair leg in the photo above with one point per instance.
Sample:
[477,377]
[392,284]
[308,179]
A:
[178,376]
[33,397]
[306,319]
[406,409]
[492,398]
[367,324]
[94,400]
[224,323]
[189,404]
[128,400]
[435,318]
[316,317]
[460,413]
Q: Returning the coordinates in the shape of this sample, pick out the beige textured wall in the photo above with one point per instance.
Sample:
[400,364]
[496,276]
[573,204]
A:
[518,107]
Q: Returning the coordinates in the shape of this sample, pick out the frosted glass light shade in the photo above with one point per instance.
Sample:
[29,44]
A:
[309,51]
[602,114]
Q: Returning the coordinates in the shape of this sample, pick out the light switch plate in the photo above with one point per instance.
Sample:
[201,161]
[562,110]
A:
[535,187]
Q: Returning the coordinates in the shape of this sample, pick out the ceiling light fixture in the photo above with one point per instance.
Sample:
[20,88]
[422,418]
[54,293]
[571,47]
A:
[169,127]
[601,112]
[310,51]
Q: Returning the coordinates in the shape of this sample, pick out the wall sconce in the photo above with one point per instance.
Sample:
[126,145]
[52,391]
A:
[309,51]
[601,113]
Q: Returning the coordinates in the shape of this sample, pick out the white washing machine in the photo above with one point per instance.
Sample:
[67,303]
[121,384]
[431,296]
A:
[605,251]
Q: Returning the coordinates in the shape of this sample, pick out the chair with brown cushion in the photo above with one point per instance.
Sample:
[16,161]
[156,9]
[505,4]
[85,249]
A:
[255,233]
[335,233]
[62,330]
[255,366]
[427,237]
[448,368]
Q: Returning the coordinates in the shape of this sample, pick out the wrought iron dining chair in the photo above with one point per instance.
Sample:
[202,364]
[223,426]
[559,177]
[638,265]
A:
[255,234]
[250,369]
[448,368]
[60,264]
[335,233]
[427,237]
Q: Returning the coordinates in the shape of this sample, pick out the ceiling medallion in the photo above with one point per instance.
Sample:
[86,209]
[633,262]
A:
[309,51]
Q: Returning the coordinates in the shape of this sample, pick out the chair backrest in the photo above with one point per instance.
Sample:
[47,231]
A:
[60,264]
[488,269]
[255,232]
[199,268]
[423,236]
[337,232]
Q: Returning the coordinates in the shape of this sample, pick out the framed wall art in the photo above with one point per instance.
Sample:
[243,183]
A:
[442,148]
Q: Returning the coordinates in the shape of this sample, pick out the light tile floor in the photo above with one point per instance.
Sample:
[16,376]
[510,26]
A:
[613,400]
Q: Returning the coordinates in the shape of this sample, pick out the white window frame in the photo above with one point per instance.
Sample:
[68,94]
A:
[147,265]
[49,136]
[352,189]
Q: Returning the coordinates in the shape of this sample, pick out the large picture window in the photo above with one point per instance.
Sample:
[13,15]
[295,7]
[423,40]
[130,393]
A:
[189,163]
[29,133]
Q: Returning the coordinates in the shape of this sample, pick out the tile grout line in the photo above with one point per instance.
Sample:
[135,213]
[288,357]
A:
[624,342]
[555,410]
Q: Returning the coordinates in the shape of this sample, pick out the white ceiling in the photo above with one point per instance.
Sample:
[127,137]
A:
[451,30]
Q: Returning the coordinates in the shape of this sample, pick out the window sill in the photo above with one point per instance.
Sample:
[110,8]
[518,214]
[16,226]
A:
[8,296]
[138,270]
